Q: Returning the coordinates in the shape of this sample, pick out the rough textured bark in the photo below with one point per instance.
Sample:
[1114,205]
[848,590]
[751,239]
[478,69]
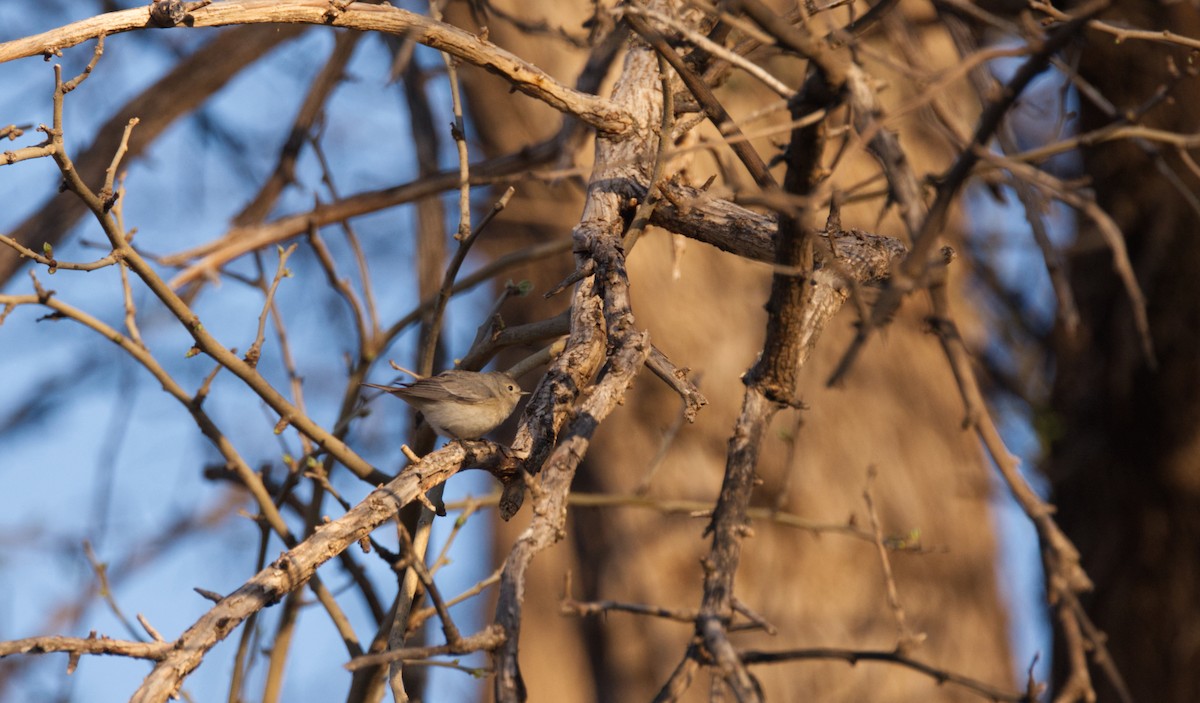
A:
[821,590]
[538,212]
[1126,462]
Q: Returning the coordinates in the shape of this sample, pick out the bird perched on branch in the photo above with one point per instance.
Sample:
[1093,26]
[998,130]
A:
[460,404]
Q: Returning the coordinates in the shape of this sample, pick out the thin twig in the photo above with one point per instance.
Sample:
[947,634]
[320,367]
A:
[281,272]
[713,48]
[853,656]
[925,234]
[712,107]
[906,639]
[460,255]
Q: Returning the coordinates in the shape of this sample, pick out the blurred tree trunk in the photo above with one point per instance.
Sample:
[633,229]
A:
[539,211]
[823,590]
[1126,463]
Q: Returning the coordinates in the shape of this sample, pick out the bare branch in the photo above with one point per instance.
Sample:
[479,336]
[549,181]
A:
[529,79]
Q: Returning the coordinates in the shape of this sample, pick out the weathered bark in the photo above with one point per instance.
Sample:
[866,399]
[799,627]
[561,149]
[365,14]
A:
[899,412]
[502,122]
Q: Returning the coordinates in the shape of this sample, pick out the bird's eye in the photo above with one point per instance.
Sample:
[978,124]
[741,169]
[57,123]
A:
[511,387]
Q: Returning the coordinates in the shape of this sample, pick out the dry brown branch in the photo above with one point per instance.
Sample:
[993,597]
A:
[459,132]
[311,109]
[677,379]
[281,272]
[143,556]
[645,208]
[418,618]
[1066,310]
[484,641]
[749,234]
[101,210]
[852,657]
[448,280]
[529,79]
[906,638]
[1064,577]
[416,564]
[925,227]
[831,64]
[345,290]
[1082,201]
[280,649]
[154,651]
[298,565]
[1102,135]
[571,606]
[12,131]
[546,413]
[1121,34]
[637,179]
[53,264]
[549,488]
[246,475]
[601,319]
[241,240]
[177,94]
[433,279]
[101,206]
[100,569]
[699,509]
[797,312]
[712,107]
[714,48]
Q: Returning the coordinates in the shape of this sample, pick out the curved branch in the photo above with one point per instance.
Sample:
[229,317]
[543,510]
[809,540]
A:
[296,566]
[525,77]
[162,104]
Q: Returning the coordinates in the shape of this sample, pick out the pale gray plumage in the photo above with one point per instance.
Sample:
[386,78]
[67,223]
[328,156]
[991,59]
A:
[461,404]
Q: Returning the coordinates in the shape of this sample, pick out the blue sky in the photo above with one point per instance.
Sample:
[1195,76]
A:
[106,429]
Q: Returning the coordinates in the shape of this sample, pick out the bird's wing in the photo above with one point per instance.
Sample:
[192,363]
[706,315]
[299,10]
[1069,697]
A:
[426,389]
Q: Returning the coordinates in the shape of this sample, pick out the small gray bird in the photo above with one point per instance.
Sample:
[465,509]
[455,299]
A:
[460,404]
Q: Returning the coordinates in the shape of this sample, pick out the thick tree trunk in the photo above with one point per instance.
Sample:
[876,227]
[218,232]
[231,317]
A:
[899,412]
[1126,466]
